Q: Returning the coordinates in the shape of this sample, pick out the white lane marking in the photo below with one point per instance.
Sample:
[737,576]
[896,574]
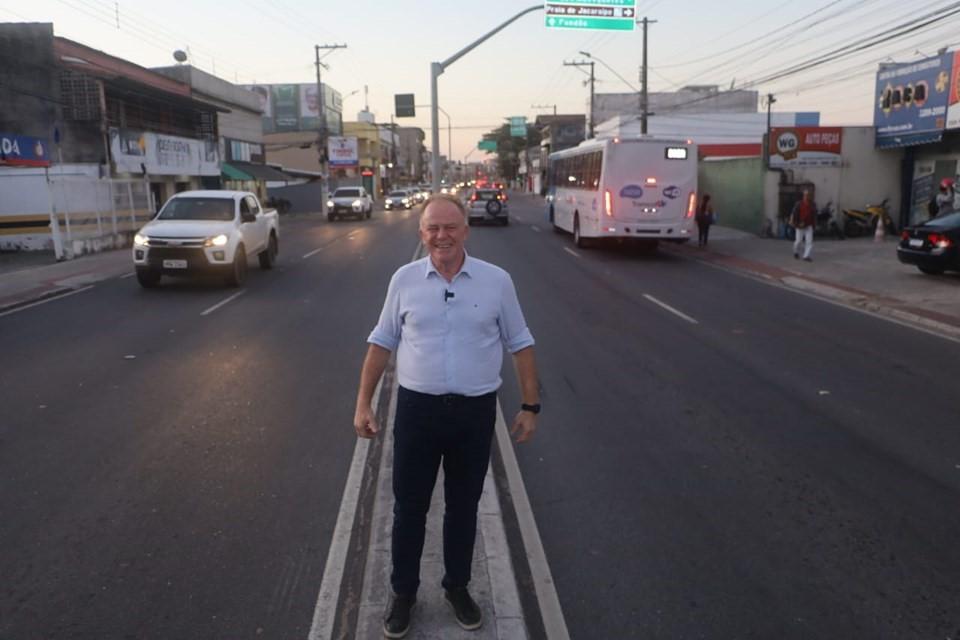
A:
[128,275]
[45,301]
[223,302]
[535,228]
[553,622]
[325,613]
[313,253]
[571,252]
[664,305]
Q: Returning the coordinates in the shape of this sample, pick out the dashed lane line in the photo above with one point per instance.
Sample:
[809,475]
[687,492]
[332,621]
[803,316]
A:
[664,305]
[223,302]
[535,228]
[313,253]
[571,252]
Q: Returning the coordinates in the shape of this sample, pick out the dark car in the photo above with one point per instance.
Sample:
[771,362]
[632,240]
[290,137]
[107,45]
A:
[934,246]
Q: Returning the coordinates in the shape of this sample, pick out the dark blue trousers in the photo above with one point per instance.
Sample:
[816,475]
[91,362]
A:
[428,430]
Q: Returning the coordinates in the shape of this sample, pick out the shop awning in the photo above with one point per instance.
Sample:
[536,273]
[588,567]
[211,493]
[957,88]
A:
[261,172]
[909,140]
[230,172]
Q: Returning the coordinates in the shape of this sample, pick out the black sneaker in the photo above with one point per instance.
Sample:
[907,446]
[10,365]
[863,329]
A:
[809,259]
[396,621]
[468,613]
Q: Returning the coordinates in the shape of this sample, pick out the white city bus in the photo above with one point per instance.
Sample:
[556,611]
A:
[642,188]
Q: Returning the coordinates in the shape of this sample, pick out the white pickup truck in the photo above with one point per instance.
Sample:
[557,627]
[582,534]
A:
[206,232]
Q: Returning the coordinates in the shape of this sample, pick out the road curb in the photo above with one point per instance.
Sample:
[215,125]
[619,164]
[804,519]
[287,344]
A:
[18,303]
[840,294]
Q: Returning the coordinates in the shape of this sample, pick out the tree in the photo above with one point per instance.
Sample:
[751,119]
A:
[510,148]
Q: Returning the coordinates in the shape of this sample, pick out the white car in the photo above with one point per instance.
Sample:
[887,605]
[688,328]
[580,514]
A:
[349,201]
[399,199]
[199,232]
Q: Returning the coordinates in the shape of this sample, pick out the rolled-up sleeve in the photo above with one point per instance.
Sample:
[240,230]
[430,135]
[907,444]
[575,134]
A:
[387,332]
[513,327]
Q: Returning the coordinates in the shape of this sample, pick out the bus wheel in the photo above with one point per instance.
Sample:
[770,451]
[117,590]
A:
[578,240]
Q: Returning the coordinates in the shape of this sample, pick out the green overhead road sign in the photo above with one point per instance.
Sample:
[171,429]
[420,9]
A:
[487,145]
[602,15]
[518,126]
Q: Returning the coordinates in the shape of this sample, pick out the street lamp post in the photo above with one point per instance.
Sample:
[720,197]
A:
[437,68]
[449,129]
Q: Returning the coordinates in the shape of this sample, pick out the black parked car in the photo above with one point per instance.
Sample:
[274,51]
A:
[934,246]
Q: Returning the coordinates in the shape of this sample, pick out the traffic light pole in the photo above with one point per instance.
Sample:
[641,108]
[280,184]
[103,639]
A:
[437,68]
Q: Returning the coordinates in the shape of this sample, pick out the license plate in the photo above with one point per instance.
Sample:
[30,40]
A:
[174,264]
[916,242]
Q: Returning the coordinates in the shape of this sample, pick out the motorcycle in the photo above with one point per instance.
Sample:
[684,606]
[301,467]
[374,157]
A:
[858,222]
[827,225]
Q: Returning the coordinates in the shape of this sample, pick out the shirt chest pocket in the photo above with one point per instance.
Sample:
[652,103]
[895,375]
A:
[477,320]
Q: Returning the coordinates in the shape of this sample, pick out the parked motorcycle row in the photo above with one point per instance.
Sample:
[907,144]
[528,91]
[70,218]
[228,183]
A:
[853,222]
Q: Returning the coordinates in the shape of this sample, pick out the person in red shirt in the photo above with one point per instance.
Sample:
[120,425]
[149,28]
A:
[803,218]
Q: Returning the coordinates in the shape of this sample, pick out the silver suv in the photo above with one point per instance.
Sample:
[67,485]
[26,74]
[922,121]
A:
[488,205]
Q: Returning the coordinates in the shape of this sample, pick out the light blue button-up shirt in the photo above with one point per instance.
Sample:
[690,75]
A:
[451,344]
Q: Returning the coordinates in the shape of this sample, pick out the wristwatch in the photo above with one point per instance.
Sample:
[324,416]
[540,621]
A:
[532,408]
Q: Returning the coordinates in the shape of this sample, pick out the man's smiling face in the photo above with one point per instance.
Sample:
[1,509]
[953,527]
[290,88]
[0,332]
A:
[443,231]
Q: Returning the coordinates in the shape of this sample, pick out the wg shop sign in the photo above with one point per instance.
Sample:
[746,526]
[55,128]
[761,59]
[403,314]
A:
[805,147]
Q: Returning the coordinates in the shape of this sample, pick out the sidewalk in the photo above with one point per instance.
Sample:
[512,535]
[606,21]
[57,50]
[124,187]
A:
[857,271]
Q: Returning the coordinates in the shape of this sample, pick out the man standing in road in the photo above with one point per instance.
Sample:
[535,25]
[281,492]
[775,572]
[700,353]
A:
[448,316]
[803,218]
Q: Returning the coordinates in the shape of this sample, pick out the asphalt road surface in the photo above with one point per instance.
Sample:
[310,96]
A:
[717,457]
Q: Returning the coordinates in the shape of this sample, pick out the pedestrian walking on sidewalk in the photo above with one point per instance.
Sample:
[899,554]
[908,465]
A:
[705,217]
[803,218]
[448,317]
[945,200]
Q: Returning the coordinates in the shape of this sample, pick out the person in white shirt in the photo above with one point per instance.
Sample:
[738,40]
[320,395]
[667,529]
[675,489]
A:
[448,317]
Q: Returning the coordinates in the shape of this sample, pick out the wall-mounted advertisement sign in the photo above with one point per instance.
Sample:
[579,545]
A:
[805,146]
[23,151]
[286,102]
[342,151]
[953,104]
[162,155]
[912,101]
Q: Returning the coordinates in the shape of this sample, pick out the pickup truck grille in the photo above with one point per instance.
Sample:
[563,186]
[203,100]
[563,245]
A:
[177,242]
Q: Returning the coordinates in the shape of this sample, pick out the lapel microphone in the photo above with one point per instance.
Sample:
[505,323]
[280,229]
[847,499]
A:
[447,294]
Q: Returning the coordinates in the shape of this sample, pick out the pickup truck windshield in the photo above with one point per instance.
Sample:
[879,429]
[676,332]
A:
[346,193]
[198,209]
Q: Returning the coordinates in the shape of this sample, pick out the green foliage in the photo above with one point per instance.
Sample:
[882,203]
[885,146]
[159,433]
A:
[509,148]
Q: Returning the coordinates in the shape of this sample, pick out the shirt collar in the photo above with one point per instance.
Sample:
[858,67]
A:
[465,268]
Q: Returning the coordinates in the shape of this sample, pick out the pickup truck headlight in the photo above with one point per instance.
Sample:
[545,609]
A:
[141,240]
[329,204]
[216,241]
[357,204]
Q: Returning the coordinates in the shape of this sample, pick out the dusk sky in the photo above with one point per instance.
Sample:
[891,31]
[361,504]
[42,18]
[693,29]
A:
[390,46]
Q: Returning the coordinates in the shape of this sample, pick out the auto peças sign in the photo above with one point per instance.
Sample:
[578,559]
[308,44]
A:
[805,146]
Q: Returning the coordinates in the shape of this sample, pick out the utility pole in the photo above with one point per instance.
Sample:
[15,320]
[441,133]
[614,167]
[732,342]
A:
[644,103]
[580,63]
[322,124]
[766,146]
